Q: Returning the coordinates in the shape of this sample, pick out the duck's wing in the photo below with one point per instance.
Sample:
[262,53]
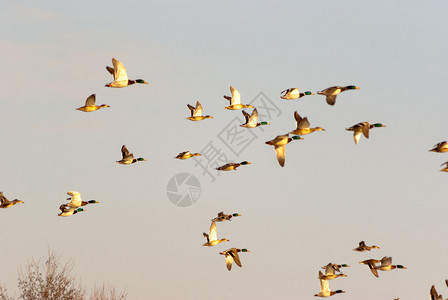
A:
[236,257]
[119,71]
[362,244]
[213,235]
[198,110]
[280,152]
[371,264]
[4,200]
[125,153]
[236,97]
[373,269]
[192,109]
[298,119]
[304,123]
[253,117]
[64,208]
[111,71]
[324,286]
[357,136]
[229,261]
[365,126]
[90,101]
[434,294]
[206,236]
[76,198]
[246,117]
[386,261]
[329,269]
[293,92]
[331,99]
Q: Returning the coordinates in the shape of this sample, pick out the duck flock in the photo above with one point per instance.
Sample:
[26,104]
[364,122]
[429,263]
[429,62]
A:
[331,270]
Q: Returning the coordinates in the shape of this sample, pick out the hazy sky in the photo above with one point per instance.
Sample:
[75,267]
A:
[330,195]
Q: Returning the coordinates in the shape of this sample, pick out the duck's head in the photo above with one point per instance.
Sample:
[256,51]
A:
[264,123]
[224,240]
[375,247]
[92,201]
[339,291]
[141,81]
[208,117]
[141,159]
[345,265]
[319,129]
[236,215]
[17,201]
[80,209]
[307,93]
[352,87]
[244,250]
[378,125]
[401,267]
[245,163]
[104,105]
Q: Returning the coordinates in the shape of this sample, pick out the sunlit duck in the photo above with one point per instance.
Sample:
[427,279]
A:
[303,126]
[223,217]
[212,238]
[5,203]
[251,120]
[232,255]
[440,147]
[325,288]
[386,264]
[363,247]
[186,155]
[90,105]
[372,265]
[67,211]
[120,76]
[235,100]
[232,166]
[333,91]
[196,113]
[75,200]
[293,93]
[364,128]
[128,158]
[279,143]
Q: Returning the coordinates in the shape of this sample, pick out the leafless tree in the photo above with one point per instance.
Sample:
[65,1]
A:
[54,281]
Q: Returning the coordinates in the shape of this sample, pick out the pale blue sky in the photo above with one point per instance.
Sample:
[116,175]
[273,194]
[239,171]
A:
[330,195]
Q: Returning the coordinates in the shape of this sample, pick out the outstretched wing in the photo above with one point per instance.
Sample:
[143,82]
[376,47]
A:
[125,153]
[212,235]
[75,201]
[280,152]
[253,117]
[331,99]
[236,97]
[197,110]
[90,101]
[119,71]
